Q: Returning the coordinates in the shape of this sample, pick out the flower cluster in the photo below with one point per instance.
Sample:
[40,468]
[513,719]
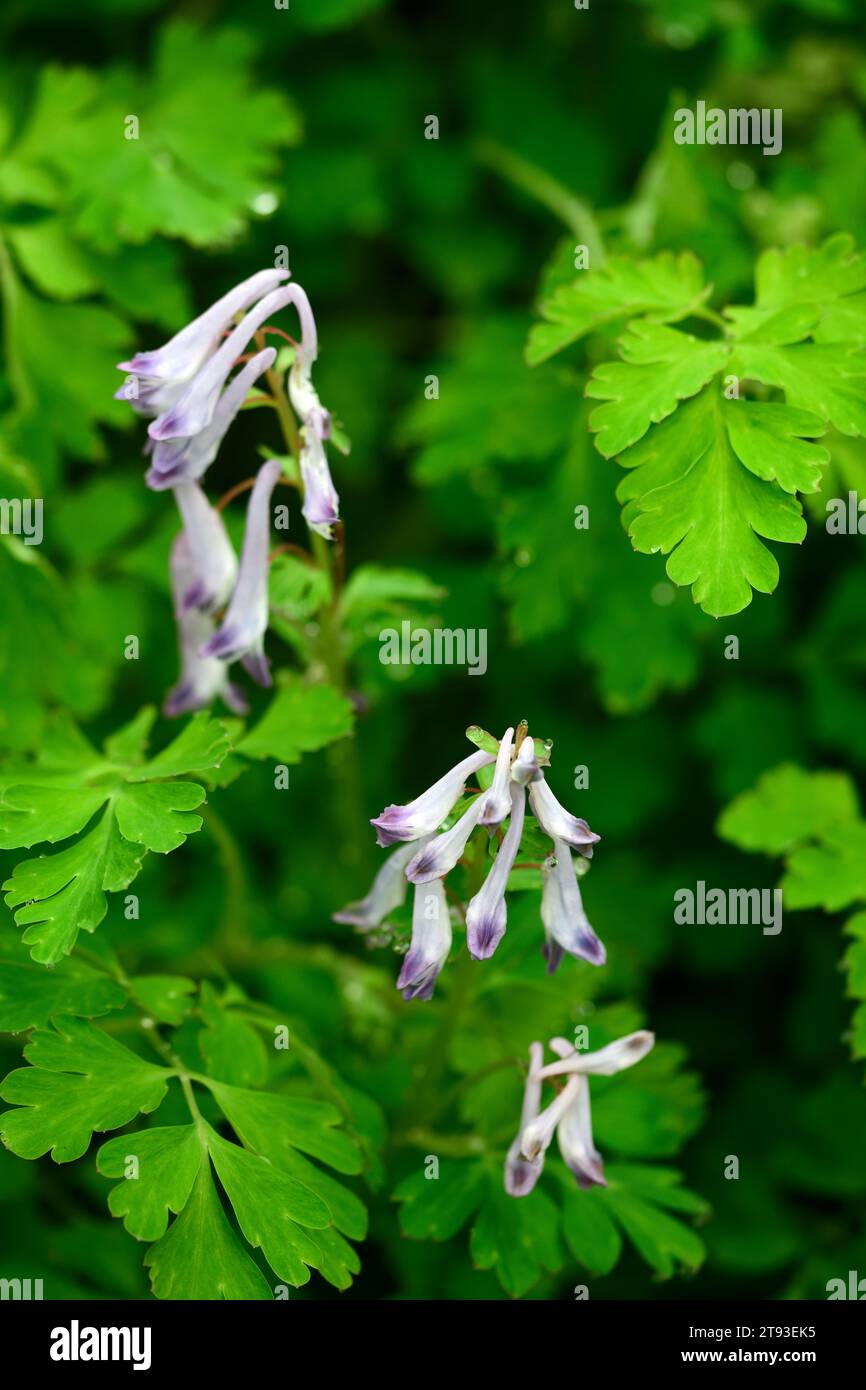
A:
[568,1115]
[428,853]
[187,391]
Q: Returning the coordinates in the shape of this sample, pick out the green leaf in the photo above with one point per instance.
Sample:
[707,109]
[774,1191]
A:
[689,496]
[589,1229]
[57,896]
[436,1208]
[665,1243]
[200,96]
[282,1217]
[32,994]
[199,1257]
[232,1050]
[660,367]
[157,816]
[57,795]
[516,1236]
[165,997]
[714,474]
[159,1168]
[300,719]
[79,1080]
[787,806]
[666,288]
[273,1124]
[831,875]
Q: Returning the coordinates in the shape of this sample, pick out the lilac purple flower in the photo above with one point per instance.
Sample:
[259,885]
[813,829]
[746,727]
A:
[568,1115]
[212,558]
[160,377]
[202,679]
[241,635]
[439,833]
[430,944]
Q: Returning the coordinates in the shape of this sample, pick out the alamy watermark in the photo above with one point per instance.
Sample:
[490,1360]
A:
[22,517]
[736,126]
[20,1290]
[440,646]
[722,907]
[846,516]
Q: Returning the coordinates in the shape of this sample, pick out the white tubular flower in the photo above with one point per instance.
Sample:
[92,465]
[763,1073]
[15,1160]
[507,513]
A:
[521,1174]
[558,823]
[427,812]
[388,891]
[242,634]
[202,679]
[525,767]
[440,853]
[486,915]
[212,556]
[496,801]
[617,1056]
[431,942]
[160,376]
[574,1136]
[566,925]
[568,1115]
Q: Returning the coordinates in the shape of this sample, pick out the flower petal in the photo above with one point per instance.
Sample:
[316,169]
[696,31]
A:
[558,823]
[427,812]
[486,915]
[431,942]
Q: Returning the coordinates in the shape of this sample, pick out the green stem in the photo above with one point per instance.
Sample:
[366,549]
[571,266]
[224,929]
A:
[232,928]
[545,189]
[342,757]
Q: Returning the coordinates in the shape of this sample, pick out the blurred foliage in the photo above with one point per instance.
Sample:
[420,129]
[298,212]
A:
[260,128]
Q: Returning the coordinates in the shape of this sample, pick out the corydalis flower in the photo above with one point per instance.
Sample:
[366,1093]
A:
[486,914]
[178,460]
[521,1174]
[388,892]
[558,823]
[568,1115]
[321,507]
[194,408]
[565,923]
[160,377]
[212,558]
[432,856]
[427,812]
[202,679]
[430,944]
[242,633]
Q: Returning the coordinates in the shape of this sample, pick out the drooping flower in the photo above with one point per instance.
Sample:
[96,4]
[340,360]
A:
[160,377]
[568,1115]
[321,507]
[525,767]
[213,561]
[193,410]
[427,812]
[202,679]
[177,460]
[388,891]
[566,925]
[241,635]
[486,914]
[521,1174]
[439,853]
[430,944]
[497,799]
[434,855]
[558,823]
